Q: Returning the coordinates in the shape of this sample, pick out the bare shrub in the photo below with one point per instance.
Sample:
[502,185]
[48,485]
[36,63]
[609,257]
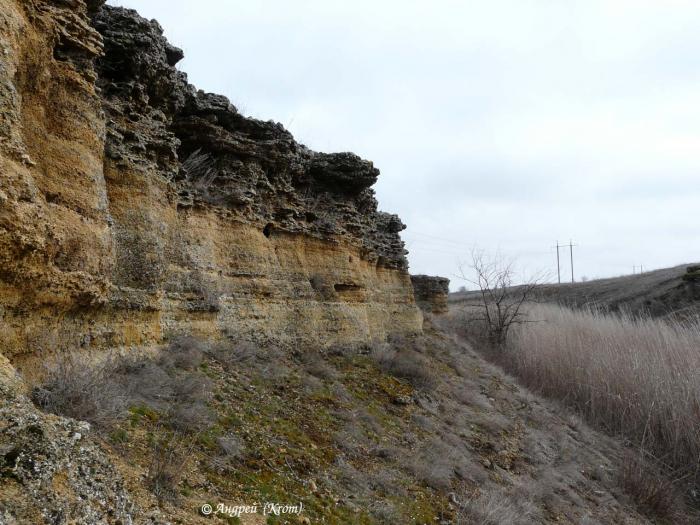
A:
[199,169]
[84,391]
[406,364]
[184,352]
[169,457]
[100,391]
[315,364]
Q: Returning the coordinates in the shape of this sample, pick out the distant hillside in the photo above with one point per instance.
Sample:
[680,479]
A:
[669,291]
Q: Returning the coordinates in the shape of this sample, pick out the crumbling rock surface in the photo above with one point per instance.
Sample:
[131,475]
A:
[155,113]
[50,469]
[134,206]
[431,292]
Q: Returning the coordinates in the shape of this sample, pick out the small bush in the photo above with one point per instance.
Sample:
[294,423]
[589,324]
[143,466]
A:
[82,391]
[168,461]
[233,354]
[190,418]
[315,364]
[184,352]
[406,364]
[101,392]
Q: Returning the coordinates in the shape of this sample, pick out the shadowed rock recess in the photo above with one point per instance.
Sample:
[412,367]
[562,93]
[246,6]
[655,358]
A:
[133,206]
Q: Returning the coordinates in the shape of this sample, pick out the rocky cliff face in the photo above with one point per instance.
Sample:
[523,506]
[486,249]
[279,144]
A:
[133,206]
[431,293]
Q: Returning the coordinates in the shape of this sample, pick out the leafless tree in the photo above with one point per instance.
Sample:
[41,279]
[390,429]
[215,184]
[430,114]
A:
[500,300]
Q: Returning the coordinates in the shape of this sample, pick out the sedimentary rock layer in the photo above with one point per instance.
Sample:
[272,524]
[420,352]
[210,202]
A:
[133,205]
[431,292]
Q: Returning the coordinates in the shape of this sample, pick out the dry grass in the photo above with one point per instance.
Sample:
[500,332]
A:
[494,508]
[651,490]
[638,378]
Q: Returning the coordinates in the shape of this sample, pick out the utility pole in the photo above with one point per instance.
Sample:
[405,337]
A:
[571,253]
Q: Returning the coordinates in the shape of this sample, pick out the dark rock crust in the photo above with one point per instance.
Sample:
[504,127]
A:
[253,169]
[431,292]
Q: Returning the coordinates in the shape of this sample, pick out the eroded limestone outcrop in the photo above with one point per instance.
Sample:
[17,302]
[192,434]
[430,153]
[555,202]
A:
[431,292]
[51,470]
[133,205]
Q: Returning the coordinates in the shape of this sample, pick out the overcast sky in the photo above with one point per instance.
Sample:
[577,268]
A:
[505,125]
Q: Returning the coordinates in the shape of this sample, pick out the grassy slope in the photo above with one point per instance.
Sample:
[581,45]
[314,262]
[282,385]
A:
[358,445]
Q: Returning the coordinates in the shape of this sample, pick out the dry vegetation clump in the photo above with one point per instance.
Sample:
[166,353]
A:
[634,377]
[404,361]
[169,392]
[168,460]
[103,391]
[650,488]
[87,393]
[322,287]
[316,365]
[494,508]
